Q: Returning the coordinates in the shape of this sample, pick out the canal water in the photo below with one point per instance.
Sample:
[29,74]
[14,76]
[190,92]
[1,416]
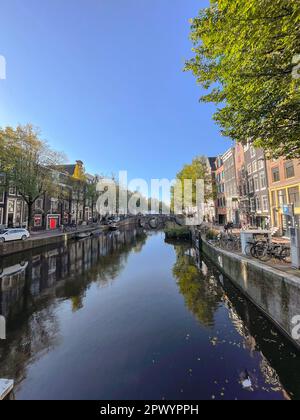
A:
[128,316]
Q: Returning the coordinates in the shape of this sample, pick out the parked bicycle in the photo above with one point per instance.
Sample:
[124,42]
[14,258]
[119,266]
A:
[253,248]
[229,242]
[265,251]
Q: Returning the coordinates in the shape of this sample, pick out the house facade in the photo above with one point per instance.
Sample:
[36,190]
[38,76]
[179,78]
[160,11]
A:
[220,203]
[258,214]
[69,203]
[13,209]
[284,191]
[231,191]
[242,184]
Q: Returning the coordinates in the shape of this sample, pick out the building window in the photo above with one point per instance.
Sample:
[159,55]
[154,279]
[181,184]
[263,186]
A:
[282,197]
[249,169]
[275,174]
[1,216]
[252,152]
[261,164]
[38,221]
[265,203]
[289,170]
[258,204]
[254,166]
[294,197]
[251,186]
[2,195]
[11,206]
[256,183]
[39,204]
[12,191]
[252,205]
[54,205]
[66,205]
[263,181]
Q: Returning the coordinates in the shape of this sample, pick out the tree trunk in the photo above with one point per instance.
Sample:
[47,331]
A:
[62,219]
[93,210]
[29,220]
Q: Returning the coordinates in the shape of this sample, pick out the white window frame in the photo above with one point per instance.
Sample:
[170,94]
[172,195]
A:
[258,204]
[262,176]
[12,191]
[256,183]
[251,185]
[252,152]
[260,164]
[265,203]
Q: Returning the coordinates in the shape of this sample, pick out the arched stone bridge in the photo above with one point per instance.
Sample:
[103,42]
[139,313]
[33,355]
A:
[157,221]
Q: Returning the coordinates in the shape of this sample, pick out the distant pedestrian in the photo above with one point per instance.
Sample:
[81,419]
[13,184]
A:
[230,227]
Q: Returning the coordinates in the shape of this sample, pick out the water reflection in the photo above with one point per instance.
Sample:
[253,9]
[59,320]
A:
[31,290]
[202,297]
[206,290]
[163,323]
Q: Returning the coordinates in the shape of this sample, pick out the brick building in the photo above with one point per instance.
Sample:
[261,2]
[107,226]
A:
[220,203]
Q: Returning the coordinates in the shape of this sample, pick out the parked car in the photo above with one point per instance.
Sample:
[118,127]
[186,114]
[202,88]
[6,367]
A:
[9,235]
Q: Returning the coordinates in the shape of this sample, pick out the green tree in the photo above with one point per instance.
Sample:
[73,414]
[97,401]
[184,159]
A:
[29,164]
[197,170]
[244,54]
[92,194]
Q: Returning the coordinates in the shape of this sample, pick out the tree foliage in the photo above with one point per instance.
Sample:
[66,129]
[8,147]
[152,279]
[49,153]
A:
[197,170]
[244,54]
[28,163]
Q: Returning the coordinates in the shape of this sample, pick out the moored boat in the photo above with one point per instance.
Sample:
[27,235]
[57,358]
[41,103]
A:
[83,235]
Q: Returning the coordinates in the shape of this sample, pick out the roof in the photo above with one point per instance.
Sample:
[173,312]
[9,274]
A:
[70,169]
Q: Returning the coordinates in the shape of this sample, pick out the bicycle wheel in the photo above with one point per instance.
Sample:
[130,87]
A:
[230,245]
[238,245]
[248,250]
[285,255]
[266,255]
[257,251]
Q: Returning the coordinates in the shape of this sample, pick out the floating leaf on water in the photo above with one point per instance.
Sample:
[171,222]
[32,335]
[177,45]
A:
[247,384]
[214,341]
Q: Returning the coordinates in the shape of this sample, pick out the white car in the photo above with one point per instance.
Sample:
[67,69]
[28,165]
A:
[8,235]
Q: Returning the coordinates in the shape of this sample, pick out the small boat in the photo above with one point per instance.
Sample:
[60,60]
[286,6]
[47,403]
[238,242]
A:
[113,227]
[83,235]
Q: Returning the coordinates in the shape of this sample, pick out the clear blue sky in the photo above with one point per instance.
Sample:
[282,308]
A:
[103,80]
